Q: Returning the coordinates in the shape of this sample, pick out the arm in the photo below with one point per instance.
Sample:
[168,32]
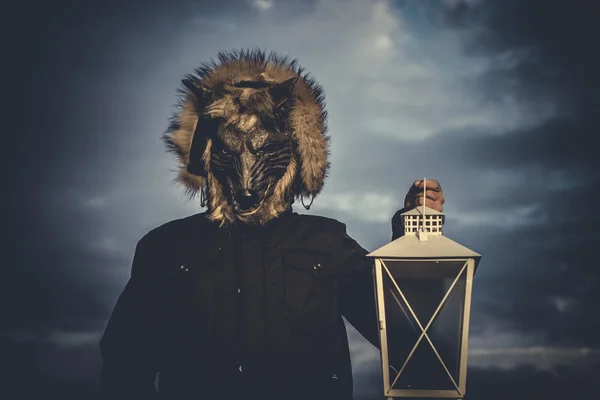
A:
[357,293]
[128,344]
[397,227]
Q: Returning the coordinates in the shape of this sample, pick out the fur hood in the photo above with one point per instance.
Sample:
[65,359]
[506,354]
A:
[192,129]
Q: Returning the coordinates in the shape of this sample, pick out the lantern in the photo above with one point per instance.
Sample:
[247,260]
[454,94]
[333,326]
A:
[423,286]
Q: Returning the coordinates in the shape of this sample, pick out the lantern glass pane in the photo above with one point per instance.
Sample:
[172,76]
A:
[413,296]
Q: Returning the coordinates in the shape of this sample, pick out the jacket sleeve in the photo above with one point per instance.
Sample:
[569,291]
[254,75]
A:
[357,292]
[356,297]
[397,227]
[129,363]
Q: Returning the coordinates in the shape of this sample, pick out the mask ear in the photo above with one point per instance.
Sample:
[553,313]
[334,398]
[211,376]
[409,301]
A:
[282,92]
[204,128]
[202,93]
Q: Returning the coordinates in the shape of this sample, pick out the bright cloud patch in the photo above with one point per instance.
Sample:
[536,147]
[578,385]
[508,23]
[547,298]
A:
[263,5]
[543,358]
[381,207]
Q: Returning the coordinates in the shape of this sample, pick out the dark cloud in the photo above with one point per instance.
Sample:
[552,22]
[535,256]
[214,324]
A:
[73,289]
[539,269]
[551,43]
[542,51]
[33,370]
[527,383]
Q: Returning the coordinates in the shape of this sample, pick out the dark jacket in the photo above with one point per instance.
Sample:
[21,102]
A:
[240,313]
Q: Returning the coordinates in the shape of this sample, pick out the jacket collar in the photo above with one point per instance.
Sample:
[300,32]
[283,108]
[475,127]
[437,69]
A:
[270,227]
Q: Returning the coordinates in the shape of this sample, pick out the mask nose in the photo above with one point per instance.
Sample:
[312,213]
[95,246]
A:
[247,198]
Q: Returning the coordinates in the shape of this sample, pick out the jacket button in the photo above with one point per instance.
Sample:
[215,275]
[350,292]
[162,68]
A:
[240,368]
[239,290]
[317,267]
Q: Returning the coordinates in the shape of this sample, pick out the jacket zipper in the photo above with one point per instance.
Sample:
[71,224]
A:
[239,313]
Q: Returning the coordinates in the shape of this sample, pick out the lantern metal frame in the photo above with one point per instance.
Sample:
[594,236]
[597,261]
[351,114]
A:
[468,269]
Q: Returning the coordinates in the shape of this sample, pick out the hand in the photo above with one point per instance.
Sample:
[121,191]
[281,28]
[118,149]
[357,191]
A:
[435,197]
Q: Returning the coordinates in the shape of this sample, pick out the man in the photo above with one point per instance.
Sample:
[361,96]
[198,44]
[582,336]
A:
[246,300]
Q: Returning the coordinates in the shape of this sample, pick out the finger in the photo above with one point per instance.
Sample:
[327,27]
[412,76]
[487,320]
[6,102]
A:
[433,195]
[431,184]
[436,205]
[418,201]
[436,196]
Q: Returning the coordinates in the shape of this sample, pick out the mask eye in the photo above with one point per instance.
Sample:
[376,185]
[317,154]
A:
[220,149]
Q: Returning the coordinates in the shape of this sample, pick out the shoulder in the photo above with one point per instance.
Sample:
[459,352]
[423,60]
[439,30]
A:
[177,229]
[312,231]
[328,237]
[320,223]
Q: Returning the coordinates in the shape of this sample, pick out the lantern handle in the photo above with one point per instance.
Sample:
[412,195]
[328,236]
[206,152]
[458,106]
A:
[424,201]
[424,197]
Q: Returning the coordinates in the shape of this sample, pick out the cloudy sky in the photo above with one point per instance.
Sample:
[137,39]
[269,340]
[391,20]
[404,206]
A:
[495,99]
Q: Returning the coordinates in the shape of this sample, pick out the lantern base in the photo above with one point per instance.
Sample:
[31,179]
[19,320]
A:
[424,394]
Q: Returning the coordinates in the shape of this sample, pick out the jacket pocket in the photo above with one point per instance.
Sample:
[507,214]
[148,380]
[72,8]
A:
[310,285]
[192,295]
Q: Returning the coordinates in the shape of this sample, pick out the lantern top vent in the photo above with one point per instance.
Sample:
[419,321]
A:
[422,222]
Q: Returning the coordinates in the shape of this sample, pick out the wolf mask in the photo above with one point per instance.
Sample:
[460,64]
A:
[250,136]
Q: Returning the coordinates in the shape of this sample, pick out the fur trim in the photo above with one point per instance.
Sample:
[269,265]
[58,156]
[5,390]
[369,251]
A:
[307,118]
